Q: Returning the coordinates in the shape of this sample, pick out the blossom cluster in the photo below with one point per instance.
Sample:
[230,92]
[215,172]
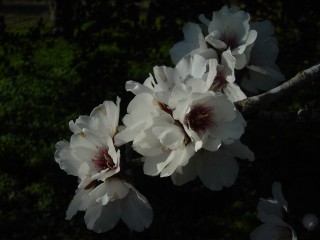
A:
[102,192]
[182,120]
[247,51]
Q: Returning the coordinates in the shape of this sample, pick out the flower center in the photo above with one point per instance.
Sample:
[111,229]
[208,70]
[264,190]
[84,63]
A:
[231,40]
[103,160]
[219,82]
[199,119]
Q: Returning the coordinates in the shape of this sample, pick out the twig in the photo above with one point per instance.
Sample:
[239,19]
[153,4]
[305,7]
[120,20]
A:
[252,104]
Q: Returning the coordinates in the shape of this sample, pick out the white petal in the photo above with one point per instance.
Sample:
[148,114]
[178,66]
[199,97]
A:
[212,144]
[147,144]
[186,173]
[269,207]
[180,157]
[264,28]
[198,66]
[203,19]
[164,76]
[270,232]
[103,218]
[115,189]
[82,122]
[84,154]
[234,93]
[193,35]
[66,160]
[183,67]
[137,88]
[169,135]
[153,165]
[241,60]
[272,219]
[223,108]
[217,169]
[278,196]
[228,61]
[197,85]
[229,130]
[136,211]
[179,50]
[193,40]
[84,173]
[79,202]
[213,39]
[212,71]
[86,139]
[240,150]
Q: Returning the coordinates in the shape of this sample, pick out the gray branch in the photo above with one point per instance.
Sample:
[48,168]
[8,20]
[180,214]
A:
[252,104]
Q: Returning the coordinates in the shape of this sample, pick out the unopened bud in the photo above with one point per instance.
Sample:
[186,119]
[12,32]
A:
[310,221]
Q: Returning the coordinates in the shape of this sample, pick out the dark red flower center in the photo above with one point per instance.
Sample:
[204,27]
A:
[103,160]
[230,39]
[200,118]
[219,82]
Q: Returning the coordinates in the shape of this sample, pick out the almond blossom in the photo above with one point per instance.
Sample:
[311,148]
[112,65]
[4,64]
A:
[263,73]
[224,80]
[229,28]
[181,115]
[272,213]
[110,201]
[91,154]
[252,46]
[103,192]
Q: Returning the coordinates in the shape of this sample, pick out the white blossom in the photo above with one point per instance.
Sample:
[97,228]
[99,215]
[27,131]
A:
[272,212]
[91,154]
[208,119]
[110,201]
[310,221]
[176,113]
[230,29]
[263,73]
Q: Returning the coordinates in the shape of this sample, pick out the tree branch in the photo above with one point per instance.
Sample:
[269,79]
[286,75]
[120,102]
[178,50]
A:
[252,104]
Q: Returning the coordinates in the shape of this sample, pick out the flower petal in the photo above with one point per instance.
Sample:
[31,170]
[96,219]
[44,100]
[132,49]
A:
[103,218]
[79,202]
[272,232]
[186,173]
[136,211]
[217,169]
[278,196]
[153,165]
[240,150]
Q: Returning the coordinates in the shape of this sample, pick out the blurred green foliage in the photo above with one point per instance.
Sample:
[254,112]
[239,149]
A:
[47,80]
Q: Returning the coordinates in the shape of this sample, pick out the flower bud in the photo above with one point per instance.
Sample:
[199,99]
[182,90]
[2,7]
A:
[310,221]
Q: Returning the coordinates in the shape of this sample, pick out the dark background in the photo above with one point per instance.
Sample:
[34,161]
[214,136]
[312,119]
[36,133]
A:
[59,65]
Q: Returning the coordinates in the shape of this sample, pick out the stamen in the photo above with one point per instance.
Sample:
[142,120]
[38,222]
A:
[219,82]
[103,160]
[230,39]
[200,118]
